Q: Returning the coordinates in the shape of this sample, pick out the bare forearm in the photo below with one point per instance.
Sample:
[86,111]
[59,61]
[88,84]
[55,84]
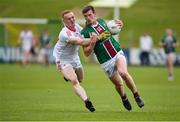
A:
[88,49]
[86,42]
[175,44]
[80,41]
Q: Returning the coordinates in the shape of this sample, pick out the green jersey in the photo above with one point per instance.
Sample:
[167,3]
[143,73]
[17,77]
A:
[104,49]
[169,41]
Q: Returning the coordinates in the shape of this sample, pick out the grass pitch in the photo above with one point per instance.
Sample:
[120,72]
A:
[39,93]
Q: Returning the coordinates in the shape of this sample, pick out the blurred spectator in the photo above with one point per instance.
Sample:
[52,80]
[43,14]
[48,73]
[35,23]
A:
[45,46]
[34,45]
[26,39]
[146,44]
[34,49]
[169,43]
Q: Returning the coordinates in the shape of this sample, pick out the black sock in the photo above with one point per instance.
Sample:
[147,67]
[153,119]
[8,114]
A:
[136,94]
[86,100]
[124,97]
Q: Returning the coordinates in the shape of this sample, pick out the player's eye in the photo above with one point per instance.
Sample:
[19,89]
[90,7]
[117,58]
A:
[70,18]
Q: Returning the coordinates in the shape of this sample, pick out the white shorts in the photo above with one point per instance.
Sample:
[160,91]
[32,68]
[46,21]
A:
[26,48]
[171,56]
[109,66]
[62,64]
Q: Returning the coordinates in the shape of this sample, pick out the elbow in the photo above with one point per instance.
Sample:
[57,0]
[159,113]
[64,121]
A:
[87,53]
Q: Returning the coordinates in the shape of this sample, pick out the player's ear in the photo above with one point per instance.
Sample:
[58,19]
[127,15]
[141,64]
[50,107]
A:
[95,14]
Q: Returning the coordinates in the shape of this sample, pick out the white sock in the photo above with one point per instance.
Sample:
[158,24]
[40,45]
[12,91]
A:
[80,92]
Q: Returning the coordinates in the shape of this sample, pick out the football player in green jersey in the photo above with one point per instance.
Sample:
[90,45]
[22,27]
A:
[110,56]
[169,43]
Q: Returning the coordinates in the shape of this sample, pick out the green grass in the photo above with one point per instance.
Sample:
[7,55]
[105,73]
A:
[37,8]
[38,93]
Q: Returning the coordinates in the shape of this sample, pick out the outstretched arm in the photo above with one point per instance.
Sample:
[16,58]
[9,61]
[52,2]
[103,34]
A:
[79,41]
[88,49]
[176,44]
[162,44]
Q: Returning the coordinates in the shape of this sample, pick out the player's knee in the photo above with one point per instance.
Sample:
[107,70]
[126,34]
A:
[74,80]
[123,74]
[119,85]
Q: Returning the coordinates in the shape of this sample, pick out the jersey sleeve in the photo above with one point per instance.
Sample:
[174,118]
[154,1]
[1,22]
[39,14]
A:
[174,39]
[63,36]
[163,38]
[84,33]
[79,27]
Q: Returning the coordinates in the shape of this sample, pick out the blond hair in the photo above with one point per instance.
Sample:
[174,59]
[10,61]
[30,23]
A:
[65,12]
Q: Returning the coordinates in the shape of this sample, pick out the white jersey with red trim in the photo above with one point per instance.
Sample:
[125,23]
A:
[63,49]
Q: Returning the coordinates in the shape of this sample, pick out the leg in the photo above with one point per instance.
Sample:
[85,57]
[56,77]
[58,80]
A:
[122,69]
[88,103]
[117,81]
[170,66]
[70,74]
[148,58]
[26,57]
[46,59]
[141,58]
[47,56]
[79,73]
[24,60]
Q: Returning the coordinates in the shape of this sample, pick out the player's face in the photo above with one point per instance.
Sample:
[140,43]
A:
[90,17]
[69,20]
[169,32]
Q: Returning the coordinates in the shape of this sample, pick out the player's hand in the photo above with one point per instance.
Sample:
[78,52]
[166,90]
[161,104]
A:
[93,37]
[119,22]
[175,45]
[104,35]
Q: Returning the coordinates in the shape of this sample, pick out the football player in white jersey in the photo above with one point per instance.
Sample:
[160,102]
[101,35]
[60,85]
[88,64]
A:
[26,39]
[66,54]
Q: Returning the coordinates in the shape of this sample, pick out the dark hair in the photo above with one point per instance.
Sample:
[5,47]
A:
[87,8]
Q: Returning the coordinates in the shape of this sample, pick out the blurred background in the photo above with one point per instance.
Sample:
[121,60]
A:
[139,16]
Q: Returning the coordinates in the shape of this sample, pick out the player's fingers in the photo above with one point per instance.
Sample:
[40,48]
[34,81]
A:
[119,23]
[90,34]
[94,34]
[106,34]
[94,39]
